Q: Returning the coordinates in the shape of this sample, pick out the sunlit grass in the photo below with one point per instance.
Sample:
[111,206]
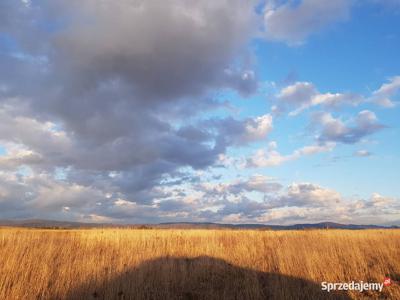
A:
[147,264]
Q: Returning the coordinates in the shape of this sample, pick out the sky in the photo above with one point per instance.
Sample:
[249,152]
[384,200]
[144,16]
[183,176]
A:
[230,111]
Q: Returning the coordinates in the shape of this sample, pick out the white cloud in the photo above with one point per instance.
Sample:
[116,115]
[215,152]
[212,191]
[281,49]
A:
[271,157]
[258,198]
[383,95]
[309,203]
[362,153]
[258,128]
[308,194]
[333,129]
[304,95]
[302,202]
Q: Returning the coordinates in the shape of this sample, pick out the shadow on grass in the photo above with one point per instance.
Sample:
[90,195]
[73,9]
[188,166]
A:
[200,278]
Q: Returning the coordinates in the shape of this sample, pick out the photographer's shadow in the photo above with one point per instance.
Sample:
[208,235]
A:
[200,278]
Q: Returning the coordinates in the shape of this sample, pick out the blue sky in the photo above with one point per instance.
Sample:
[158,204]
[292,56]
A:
[356,55]
[225,111]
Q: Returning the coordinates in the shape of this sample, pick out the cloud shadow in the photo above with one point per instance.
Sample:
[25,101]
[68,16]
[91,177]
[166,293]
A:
[199,278]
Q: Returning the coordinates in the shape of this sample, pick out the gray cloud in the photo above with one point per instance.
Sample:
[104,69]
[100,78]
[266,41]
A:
[186,49]
[105,85]
[243,132]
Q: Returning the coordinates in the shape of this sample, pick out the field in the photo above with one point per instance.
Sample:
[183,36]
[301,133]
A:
[194,264]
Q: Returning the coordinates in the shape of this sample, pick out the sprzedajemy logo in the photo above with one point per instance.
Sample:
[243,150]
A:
[387,281]
[355,286]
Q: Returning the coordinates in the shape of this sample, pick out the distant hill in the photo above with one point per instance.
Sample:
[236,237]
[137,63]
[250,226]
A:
[38,223]
[322,225]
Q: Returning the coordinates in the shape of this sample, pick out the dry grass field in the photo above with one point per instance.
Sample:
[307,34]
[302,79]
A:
[194,264]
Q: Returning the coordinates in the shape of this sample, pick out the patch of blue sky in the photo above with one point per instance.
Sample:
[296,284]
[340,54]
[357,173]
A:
[3,150]
[8,44]
[60,173]
[357,56]
[24,171]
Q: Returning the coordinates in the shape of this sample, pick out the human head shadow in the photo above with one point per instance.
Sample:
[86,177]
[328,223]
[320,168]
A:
[200,278]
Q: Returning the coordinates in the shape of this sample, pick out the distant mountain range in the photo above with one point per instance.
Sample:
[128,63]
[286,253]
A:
[38,223]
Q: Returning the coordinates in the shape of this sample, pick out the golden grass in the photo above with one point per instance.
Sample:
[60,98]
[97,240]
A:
[193,264]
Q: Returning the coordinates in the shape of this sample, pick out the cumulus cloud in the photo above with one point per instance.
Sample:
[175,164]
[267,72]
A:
[298,202]
[331,129]
[187,47]
[386,91]
[303,95]
[305,202]
[242,132]
[32,195]
[308,194]
[258,198]
[223,190]
[106,85]
[271,157]
[116,117]
[293,22]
